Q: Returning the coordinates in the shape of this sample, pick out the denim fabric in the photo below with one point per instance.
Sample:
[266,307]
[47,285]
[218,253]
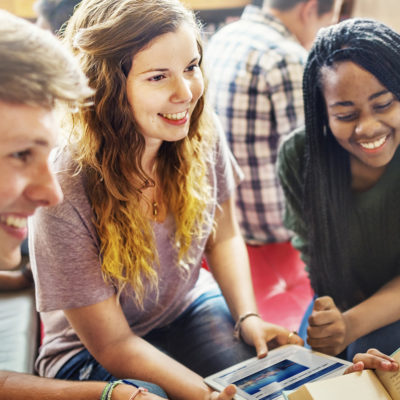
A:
[200,338]
[83,367]
[304,323]
[384,339]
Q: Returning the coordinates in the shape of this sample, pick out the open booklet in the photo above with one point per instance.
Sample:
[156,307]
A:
[285,368]
[366,385]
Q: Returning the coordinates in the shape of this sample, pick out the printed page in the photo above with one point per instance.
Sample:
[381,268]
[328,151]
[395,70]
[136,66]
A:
[358,385]
[285,368]
[391,380]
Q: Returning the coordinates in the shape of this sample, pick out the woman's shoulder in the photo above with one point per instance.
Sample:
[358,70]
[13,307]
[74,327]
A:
[70,177]
[294,143]
[291,150]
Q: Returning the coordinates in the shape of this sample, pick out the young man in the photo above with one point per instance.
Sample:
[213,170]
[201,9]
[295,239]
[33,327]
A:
[255,68]
[35,74]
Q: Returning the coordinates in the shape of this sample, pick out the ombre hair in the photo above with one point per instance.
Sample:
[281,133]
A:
[106,141]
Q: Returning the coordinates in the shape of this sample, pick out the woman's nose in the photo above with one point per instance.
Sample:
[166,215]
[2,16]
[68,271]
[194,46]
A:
[182,91]
[368,126]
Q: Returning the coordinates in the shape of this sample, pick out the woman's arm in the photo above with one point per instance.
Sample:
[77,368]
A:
[16,386]
[104,331]
[381,309]
[228,260]
[331,331]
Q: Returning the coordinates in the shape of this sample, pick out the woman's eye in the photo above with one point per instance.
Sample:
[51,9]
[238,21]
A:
[383,106]
[346,117]
[22,155]
[192,67]
[157,78]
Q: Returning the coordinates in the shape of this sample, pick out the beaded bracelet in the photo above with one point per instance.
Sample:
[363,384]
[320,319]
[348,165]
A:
[236,329]
[106,395]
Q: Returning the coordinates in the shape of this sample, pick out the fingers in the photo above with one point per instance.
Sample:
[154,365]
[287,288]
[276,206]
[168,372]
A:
[284,336]
[280,335]
[374,359]
[262,334]
[226,394]
[323,303]
[358,366]
[327,328]
[324,312]
[295,339]
[261,347]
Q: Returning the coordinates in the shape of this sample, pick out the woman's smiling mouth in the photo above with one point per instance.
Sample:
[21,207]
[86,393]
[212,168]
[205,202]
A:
[374,145]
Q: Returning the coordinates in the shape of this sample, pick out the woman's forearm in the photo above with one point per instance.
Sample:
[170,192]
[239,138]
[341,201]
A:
[16,386]
[379,310]
[138,359]
[229,264]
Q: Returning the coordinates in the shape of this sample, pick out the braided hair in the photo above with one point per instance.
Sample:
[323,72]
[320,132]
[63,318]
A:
[327,185]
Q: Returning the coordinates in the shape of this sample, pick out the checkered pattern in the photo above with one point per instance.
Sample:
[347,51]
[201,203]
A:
[255,68]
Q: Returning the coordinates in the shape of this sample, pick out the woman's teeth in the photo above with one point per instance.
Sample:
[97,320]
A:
[373,145]
[176,116]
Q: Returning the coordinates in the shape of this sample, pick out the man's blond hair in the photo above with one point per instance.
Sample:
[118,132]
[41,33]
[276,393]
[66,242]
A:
[35,68]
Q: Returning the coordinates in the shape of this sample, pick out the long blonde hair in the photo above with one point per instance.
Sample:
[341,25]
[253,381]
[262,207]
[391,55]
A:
[105,35]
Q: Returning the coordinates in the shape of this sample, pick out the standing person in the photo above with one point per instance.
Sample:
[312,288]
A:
[147,179]
[255,66]
[342,184]
[54,14]
[36,73]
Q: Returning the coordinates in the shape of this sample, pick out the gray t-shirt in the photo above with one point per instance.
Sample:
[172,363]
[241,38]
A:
[67,265]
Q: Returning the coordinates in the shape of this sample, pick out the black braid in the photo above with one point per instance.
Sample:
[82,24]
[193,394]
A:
[327,195]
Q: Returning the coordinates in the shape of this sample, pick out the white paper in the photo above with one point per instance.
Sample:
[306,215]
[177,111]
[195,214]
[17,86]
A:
[285,368]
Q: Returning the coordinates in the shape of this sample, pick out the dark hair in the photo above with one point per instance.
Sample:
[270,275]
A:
[326,199]
[324,6]
[56,12]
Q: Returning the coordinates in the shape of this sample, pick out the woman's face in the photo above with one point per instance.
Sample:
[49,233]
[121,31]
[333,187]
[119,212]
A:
[363,115]
[164,85]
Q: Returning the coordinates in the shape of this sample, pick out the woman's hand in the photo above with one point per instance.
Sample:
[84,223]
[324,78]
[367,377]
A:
[328,330]
[372,359]
[226,394]
[259,333]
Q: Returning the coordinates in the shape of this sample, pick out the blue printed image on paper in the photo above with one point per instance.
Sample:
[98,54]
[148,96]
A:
[275,373]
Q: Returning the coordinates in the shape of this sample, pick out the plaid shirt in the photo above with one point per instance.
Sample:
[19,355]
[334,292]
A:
[255,67]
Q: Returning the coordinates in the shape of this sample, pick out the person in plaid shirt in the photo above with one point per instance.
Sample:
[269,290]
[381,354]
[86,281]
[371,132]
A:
[255,68]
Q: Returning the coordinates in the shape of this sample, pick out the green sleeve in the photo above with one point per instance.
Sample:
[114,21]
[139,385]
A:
[290,171]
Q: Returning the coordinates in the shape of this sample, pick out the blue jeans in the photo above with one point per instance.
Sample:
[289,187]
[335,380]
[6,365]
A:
[201,338]
[83,367]
[385,339]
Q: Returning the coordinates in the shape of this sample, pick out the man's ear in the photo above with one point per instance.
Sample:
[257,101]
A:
[308,11]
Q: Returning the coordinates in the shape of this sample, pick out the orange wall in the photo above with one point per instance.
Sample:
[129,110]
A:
[23,8]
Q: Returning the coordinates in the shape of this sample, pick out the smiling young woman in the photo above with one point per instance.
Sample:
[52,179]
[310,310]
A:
[148,182]
[342,184]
